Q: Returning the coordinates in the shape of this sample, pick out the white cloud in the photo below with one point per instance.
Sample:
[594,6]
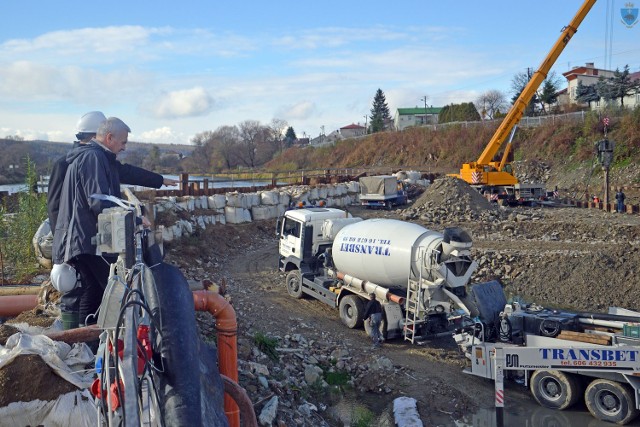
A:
[183,103]
[26,79]
[299,111]
[163,135]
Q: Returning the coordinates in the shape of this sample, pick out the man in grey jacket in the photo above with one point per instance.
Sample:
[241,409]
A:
[93,169]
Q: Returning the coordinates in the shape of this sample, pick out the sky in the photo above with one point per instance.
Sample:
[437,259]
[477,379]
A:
[172,70]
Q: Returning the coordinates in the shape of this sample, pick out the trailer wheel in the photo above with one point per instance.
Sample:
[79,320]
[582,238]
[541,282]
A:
[351,311]
[555,389]
[611,401]
[294,284]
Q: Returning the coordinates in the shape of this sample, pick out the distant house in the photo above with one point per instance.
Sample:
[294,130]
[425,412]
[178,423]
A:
[588,75]
[352,130]
[418,116]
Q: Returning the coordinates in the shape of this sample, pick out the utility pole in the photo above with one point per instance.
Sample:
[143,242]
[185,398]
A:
[424,98]
[365,124]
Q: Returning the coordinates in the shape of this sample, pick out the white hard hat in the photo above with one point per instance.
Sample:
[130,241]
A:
[63,277]
[89,122]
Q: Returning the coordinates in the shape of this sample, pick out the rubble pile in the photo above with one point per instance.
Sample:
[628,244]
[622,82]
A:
[531,171]
[452,200]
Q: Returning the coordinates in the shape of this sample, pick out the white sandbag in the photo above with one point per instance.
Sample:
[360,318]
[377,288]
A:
[405,412]
[281,210]
[283,198]
[269,198]
[312,194]
[217,201]
[414,175]
[54,354]
[75,408]
[260,213]
[353,187]
[237,215]
[323,192]
[255,199]
[236,200]
[331,191]
[191,204]
[341,189]
[177,230]
[201,223]
[400,175]
[186,227]
[221,218]
[167,234]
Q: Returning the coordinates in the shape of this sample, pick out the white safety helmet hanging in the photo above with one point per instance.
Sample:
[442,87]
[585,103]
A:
[89,122]
[63,277]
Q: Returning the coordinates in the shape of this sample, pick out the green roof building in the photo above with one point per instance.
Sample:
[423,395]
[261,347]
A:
[418,116]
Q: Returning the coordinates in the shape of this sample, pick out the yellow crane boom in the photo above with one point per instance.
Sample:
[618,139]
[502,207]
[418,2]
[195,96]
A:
[485,171]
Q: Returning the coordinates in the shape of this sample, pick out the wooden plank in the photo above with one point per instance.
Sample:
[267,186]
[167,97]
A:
[582,337]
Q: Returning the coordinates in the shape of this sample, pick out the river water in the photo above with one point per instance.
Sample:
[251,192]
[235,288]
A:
[14,188]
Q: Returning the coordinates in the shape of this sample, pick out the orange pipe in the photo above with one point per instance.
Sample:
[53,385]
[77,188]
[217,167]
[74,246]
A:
[227,328]
[12,305]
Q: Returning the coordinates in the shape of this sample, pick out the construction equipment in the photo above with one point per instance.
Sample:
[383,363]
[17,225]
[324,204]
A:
[563,356]
[418,275]
[497,175]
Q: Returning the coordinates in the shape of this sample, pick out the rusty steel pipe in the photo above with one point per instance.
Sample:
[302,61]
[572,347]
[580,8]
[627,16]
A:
[71,336]
[370,287]
[241,397]
[12,305]
[227,328]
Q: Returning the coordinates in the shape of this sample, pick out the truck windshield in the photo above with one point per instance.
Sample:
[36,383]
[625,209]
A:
[291,228]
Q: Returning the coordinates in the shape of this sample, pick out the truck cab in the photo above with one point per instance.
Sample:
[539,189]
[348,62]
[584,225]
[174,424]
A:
[302,238]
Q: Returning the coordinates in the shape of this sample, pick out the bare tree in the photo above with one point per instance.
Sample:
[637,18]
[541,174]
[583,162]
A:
[251,134]
[278,129]
[492,102]
[228,138]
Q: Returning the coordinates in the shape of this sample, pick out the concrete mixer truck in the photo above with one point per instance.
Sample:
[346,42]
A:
[418,275]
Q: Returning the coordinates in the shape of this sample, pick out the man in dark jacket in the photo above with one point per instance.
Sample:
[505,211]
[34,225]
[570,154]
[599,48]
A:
[93,169]
[86,129]
[620,196]
[373,315]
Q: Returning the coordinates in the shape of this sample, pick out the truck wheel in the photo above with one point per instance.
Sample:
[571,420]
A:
[611,401]
[555,389]
[351,311]
[294,284]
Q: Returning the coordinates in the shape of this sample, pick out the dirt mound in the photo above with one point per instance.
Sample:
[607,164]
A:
[451,200]
[453,192]
[35,317]
[43,383]
[5,332]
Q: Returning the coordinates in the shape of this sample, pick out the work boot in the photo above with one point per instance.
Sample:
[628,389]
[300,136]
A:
[70,319]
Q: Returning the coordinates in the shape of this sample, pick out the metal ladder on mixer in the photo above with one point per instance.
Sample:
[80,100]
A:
[413,301]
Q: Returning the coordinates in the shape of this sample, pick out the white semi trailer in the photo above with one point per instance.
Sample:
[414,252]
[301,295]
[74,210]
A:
[563,357]
[418,275]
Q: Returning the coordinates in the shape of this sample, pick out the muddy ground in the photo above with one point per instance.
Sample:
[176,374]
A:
[582,259]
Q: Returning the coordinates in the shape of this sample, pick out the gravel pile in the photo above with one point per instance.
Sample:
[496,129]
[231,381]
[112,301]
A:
[450,200]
